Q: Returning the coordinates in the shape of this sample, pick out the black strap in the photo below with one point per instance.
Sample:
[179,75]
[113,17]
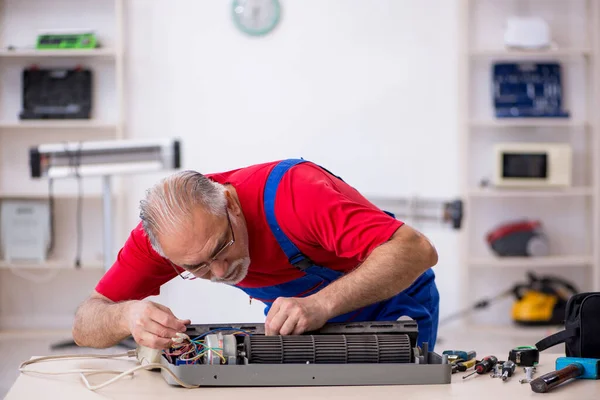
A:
[557,338]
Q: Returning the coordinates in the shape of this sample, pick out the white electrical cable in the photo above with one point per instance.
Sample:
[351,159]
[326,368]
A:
[131,371]
[83,372]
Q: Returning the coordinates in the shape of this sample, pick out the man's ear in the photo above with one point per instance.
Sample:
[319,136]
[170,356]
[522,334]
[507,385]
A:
[232,203]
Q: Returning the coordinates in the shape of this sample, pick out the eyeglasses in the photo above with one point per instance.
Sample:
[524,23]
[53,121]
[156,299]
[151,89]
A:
[191,274]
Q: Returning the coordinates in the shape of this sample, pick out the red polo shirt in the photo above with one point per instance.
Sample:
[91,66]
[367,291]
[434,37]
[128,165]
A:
[327,219]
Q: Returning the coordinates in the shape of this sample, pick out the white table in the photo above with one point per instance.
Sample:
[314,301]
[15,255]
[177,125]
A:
[148,385]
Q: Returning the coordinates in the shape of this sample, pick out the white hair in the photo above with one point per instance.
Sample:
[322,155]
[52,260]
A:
[171,202]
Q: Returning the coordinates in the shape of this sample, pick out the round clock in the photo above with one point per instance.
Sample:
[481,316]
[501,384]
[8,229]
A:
[256,17]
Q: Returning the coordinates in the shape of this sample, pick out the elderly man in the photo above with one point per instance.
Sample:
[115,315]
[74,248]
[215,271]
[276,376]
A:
[290,234]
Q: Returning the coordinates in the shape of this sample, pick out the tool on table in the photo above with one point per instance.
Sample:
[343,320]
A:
[524,356]
[527,357]
[508,369]
[464,355]
[484,366]
[453,359]
[455,365]
[462,366]
[497,370]
[567,368]
[529,371]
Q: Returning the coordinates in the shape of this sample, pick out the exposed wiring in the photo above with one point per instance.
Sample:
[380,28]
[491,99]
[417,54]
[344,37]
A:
[183,349]
[235,330]
[83,372]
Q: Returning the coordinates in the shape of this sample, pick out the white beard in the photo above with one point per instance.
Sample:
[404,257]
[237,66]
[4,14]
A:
[236,272]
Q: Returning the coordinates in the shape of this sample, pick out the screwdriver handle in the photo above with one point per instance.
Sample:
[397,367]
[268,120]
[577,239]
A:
[485,365]
[465,365]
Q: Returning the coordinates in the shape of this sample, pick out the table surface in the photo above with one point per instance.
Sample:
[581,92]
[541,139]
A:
[150,385]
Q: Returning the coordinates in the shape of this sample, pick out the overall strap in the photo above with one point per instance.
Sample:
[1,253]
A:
[295,257]
[557,338]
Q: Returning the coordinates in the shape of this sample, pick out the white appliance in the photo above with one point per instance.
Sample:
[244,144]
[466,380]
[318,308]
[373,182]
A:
[533,165]
[25,230]
[527,33]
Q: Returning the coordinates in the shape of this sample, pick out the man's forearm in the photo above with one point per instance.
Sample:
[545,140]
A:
[390,268]
[100,323]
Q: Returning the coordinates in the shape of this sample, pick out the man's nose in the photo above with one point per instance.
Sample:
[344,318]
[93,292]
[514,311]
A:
[219,268]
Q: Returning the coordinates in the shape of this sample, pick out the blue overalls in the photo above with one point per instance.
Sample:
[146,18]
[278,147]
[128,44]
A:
[420,301]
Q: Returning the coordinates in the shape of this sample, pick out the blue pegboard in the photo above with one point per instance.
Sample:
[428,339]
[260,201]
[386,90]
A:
[528,90]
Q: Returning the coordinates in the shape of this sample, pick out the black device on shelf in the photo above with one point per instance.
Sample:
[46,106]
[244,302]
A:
[57,93]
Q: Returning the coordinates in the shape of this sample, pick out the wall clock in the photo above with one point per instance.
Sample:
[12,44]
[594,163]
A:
[256,17]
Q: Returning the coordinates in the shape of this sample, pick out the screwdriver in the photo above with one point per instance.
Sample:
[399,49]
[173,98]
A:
[508,368]
[484,366]
[462,366]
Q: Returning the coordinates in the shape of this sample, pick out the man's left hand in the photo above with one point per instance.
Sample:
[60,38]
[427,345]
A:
[294,316]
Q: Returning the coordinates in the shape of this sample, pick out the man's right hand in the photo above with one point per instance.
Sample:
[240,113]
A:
[153,325]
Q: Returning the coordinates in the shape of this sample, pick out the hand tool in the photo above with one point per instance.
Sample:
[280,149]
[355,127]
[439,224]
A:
[529,371]
[508,369]
[524,356]
[455,364]
[567,368]
[453,359]
[484,366]
[465,365]
[465,355]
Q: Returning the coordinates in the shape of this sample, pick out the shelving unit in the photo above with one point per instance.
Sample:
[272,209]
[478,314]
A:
[52,264]
[20,22]
[531,193]
[528,262]
[524,55]
[6,127]
[570,216]
[528,123]
[36,54]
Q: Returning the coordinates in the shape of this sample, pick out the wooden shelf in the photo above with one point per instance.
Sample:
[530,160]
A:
[45,196]
[51,264]
[33,53]
[528,54]
[528,123]
[551,193]
[58,124]
[531,262]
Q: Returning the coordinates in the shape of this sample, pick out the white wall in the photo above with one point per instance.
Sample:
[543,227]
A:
[366,88]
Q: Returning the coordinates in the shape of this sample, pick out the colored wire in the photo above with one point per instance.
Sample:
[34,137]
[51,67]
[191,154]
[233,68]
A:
[222,329]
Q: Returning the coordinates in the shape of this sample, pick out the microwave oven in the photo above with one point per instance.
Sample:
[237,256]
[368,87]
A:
[532,165]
